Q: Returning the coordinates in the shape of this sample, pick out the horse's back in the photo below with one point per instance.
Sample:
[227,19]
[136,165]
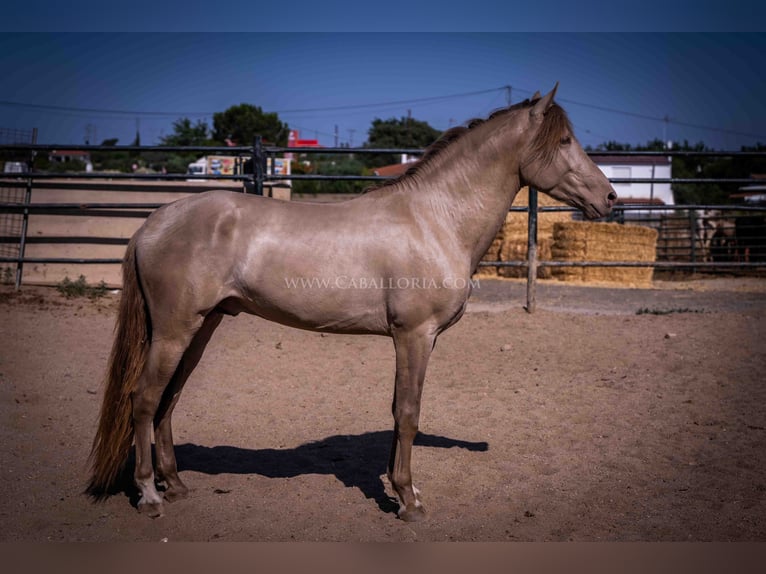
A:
[240,252]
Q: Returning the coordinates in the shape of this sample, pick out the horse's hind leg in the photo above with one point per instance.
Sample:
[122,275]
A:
[162,361]
[163,434]
[412,353]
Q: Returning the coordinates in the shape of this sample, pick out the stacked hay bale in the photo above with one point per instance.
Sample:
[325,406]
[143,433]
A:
[676,237]
[584,241]
[514,235]
[492,254]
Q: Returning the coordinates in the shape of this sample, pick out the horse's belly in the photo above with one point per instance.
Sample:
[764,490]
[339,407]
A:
[316,308]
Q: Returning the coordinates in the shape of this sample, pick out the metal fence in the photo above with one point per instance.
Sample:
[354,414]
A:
[691,237]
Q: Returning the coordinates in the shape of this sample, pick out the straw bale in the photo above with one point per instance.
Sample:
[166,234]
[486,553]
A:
[543,200]
[514,248]
[513,234]
[584,241]
[516,221]
[492,254]
[676,236]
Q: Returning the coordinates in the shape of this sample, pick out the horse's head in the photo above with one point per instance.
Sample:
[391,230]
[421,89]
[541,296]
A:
[555,163]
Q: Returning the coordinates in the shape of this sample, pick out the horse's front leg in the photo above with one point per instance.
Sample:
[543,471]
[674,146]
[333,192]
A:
[412,352]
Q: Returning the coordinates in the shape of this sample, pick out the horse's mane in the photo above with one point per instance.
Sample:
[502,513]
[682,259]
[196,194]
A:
[544,146]
[547,139]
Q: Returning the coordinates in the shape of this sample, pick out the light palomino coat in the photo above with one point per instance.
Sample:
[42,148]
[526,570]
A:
[396,261]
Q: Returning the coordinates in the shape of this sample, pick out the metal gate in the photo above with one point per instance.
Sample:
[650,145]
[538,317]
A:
[683,245]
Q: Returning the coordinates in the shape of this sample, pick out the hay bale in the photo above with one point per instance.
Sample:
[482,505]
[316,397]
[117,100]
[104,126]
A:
[514,248]
[516,222]
[676,236]
[584,241]
[510,243]
[492,254]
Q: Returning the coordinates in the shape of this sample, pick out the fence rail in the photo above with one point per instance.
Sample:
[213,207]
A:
[689,248]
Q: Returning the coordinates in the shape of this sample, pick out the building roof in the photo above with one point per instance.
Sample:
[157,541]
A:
[631,159]
[393,170]
[72,153]
[397,169]
[639,201]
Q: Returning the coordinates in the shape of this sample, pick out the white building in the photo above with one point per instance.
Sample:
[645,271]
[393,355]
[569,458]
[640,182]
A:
[638,167]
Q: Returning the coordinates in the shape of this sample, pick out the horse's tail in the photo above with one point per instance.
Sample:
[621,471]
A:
[114,437]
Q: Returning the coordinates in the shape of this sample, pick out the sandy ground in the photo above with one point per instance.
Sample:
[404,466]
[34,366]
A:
[583,421]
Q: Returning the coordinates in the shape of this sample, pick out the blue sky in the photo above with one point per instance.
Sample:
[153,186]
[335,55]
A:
[102,74]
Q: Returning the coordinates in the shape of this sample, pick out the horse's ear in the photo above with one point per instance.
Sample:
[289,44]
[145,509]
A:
[536,96]
[542,105]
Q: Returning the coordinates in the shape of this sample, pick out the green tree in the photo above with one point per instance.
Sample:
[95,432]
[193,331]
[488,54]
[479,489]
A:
[329,165]
[111,160]
[187,134]
[242,123]
[403,133]
[696,167]
[611,145]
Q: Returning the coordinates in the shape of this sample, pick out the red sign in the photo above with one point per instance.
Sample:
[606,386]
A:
[293,140]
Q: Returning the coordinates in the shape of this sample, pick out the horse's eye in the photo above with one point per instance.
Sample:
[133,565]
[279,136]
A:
[566,140]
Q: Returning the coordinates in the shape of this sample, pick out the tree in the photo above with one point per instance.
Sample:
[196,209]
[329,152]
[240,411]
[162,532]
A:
[403,133]
[187,134]
[111,160]
[242,123]
[329,165]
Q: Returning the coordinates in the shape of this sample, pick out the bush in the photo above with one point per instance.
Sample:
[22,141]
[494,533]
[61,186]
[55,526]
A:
[80,288]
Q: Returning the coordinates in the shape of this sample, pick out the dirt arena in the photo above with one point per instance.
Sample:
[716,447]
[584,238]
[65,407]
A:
[585,421]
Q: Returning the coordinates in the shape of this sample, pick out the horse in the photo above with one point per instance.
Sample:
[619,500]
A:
[395,261]
[716,235]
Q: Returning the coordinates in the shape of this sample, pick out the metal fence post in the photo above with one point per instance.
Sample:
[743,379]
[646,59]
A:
[693,237]
[25,215]
[532,252]
[258,164]
[23,237]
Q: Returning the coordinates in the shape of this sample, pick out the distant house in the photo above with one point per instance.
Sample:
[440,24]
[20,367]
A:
[66,156]
[638,167]
[69,155]
[396,169]
[393,170]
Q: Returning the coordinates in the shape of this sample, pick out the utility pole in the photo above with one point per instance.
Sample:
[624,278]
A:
[336,135]
[90,134]
[508,95]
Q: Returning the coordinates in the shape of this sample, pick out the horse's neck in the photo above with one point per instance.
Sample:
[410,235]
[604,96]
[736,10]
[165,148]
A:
[469,188]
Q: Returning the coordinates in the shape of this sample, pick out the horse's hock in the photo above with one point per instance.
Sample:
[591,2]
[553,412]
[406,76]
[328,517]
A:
[585,241]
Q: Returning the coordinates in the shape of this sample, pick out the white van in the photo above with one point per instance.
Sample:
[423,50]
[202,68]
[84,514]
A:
[15,167]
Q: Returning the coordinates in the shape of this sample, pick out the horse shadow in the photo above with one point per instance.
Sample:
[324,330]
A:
[358,461]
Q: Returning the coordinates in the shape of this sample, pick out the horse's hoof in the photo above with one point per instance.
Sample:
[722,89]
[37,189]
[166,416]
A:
[173,494]
[412,513]
[151,509]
